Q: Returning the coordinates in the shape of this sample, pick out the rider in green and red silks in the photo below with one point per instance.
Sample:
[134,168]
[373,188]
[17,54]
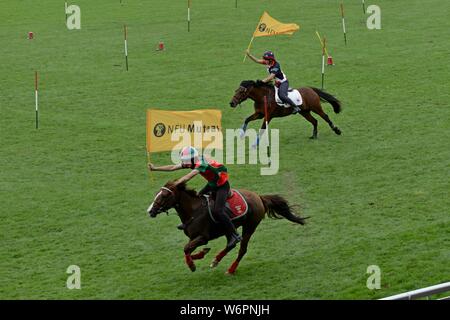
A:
[216,175]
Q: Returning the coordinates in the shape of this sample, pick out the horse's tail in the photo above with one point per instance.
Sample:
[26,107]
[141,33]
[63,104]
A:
[324,96]
[278,207]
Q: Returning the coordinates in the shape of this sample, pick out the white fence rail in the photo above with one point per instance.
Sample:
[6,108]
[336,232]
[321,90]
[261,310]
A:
[421,293]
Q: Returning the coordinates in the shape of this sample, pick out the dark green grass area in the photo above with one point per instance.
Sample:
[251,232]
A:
[76,190]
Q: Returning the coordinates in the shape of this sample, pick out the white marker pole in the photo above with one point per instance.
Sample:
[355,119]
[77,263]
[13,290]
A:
[343,23]
[36,98]
[323,60]
[126,45]
[65,11]
[189,15]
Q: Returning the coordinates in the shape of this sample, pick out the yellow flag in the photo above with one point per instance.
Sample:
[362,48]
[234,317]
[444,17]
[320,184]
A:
[268,26]
[173,130]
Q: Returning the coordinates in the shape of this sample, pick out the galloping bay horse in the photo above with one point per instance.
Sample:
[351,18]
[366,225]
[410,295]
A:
[311,102]
[193,212]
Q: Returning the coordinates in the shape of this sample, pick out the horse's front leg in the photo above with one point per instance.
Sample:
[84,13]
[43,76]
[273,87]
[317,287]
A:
[260,134]
[250,118]
[190,247]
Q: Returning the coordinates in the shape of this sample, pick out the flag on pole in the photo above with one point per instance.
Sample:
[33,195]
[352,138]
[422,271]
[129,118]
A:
[125,31]
[343,23]
[202,126]
[268,26]
[36,97]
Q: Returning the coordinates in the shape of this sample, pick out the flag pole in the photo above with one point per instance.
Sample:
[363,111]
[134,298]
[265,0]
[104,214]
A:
[148,162]
[343,23]
[125,31]
[248,48]
[36,98]
[323,60]
[364,6]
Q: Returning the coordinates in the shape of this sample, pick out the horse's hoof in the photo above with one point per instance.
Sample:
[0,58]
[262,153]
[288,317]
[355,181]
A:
[228,273]
[337,131]
[192,267]
[214,263]
[313,137]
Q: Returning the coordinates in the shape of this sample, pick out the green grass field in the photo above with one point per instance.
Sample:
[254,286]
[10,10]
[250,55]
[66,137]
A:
[76,190]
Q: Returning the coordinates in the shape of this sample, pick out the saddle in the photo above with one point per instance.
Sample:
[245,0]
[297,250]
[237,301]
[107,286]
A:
[236,206]
[293,94]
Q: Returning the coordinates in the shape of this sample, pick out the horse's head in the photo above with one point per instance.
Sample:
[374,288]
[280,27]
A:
[165,199]
[242,93]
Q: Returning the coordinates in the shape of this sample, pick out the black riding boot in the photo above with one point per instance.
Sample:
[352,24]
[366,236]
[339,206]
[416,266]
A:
[233,237]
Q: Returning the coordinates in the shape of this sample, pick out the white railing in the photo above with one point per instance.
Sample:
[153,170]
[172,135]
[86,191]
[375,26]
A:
[421,293]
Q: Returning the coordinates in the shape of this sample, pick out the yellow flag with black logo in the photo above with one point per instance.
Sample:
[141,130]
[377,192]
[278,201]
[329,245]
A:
[269,26]
[173,130]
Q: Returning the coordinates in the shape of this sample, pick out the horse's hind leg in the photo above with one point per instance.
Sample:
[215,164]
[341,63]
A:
[325,117]
[201,254]
[307,115]
[219,257]
[247,233]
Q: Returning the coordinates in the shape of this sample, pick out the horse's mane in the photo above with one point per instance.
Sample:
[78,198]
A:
[250,83]
[182,187]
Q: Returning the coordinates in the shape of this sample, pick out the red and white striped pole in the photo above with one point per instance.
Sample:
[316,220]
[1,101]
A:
[36,97]
[125,30]
[266,119]
[343,23]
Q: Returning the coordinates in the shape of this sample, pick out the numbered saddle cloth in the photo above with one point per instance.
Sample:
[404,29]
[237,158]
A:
[293,94]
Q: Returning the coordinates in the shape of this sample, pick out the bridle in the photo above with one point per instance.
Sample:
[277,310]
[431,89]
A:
[244,92]
[160,205]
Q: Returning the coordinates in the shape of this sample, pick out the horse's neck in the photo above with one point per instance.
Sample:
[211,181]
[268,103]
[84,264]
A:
[187,206]
[258,96]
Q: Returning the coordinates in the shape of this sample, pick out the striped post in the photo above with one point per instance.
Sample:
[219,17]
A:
[189,15]
[125,31]
[266,119]
[343,23]
[323,59]
[65,11]
[36,97]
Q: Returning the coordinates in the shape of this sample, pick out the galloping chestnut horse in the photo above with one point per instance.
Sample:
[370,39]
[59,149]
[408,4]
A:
[193,212]
[311,102]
